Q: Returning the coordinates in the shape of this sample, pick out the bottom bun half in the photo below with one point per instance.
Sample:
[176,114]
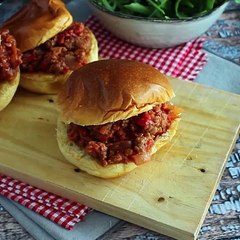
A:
[88,164]
[42,82]
[7,91]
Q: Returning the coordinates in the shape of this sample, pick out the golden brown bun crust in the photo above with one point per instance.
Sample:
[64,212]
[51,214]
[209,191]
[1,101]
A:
[37,22]
[93,54]
[7,91]
[49,83]
[86,163]
[112,90]
[42,82]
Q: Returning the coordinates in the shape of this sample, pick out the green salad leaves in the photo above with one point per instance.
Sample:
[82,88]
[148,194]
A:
[161,9]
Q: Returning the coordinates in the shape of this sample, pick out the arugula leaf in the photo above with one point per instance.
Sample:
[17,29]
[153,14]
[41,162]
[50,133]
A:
[210,4]
[138,8]
[159,11]
[162,9]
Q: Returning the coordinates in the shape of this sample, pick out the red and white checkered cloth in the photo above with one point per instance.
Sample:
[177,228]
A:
[60,210]
[184,61]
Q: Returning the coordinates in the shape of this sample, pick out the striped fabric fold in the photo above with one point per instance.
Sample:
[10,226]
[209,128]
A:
[60,210]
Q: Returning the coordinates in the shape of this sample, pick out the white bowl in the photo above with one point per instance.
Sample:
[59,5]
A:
[155,33]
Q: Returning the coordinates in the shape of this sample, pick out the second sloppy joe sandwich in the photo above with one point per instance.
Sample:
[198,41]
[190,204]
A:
[114,115]
[52,44]
[10,59]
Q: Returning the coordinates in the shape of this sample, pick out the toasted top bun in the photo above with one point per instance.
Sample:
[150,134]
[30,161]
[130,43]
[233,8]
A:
[87,163]
[7,90]
[37,22]
[111,90]
[46,83]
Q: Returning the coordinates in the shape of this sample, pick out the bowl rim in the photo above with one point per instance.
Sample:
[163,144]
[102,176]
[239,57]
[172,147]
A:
[155,20]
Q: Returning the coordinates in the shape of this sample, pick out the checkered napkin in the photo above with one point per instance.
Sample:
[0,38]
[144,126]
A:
[62,211]
[184,61]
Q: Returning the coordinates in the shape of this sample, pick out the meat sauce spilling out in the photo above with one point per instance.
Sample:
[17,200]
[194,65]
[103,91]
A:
[124,141]
[10,56]
[66,51]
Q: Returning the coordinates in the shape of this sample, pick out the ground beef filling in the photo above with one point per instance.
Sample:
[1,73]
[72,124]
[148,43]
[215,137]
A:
[66,51]
[10,57]
[123,141]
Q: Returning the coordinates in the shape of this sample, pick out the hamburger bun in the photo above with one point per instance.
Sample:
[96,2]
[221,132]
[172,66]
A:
[107,91]
[88,164]
[33,25]
[91,97]
[10,60]
[7,90]
[46,83]
[37,22]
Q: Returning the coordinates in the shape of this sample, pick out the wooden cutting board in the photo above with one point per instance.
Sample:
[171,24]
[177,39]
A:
[170,195]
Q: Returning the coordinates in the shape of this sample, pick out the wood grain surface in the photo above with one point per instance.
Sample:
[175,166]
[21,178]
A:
[159,195]
[221,222]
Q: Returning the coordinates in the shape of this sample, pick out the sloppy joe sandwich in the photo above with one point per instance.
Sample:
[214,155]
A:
[10,59]
[52,44]
[114,115]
